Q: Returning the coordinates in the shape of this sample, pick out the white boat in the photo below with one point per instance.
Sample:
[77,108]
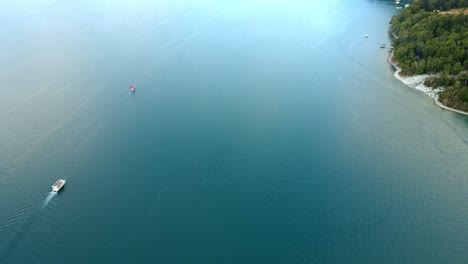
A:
[58,185]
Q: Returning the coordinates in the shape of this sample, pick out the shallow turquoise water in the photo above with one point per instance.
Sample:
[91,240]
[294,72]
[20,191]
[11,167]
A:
[259,133]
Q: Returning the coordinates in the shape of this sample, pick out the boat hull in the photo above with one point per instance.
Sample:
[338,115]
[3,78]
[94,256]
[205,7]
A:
[58,185]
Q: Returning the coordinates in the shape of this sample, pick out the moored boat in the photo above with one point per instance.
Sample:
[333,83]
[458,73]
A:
[58,185]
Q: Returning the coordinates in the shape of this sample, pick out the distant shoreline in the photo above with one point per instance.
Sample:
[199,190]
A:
[417,82]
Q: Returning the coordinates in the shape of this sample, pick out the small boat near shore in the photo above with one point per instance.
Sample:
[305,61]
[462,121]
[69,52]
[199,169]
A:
[58,185]
[383,46]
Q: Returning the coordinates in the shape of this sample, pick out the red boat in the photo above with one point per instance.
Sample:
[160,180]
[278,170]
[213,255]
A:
[132,88]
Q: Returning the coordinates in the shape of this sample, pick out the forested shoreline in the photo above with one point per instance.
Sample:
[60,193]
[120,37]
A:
[433,41]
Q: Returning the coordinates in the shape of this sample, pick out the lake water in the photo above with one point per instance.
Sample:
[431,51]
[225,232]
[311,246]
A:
[259,132]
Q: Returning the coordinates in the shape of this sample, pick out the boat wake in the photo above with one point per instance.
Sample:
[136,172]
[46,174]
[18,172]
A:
[25,218]
[48,198]
[17,238]
[11,244]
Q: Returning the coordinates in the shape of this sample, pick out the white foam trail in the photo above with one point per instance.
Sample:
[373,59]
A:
[48,198]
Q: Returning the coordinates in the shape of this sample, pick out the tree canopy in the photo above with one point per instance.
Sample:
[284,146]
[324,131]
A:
[430,41]
[430,5]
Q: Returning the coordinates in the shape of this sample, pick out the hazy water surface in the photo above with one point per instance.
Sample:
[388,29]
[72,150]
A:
[260,132]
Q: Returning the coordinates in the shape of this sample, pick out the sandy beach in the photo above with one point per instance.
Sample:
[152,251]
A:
[417,82]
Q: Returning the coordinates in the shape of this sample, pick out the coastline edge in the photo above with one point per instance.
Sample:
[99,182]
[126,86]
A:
[423,78]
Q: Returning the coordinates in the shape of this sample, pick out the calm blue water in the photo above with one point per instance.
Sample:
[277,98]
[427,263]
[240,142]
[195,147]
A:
[260,132]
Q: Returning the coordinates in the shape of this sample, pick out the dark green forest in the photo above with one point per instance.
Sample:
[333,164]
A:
[428,39]
[442,5]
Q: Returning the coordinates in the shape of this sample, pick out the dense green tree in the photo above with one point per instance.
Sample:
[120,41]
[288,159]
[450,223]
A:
[430,5]
[435,42]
